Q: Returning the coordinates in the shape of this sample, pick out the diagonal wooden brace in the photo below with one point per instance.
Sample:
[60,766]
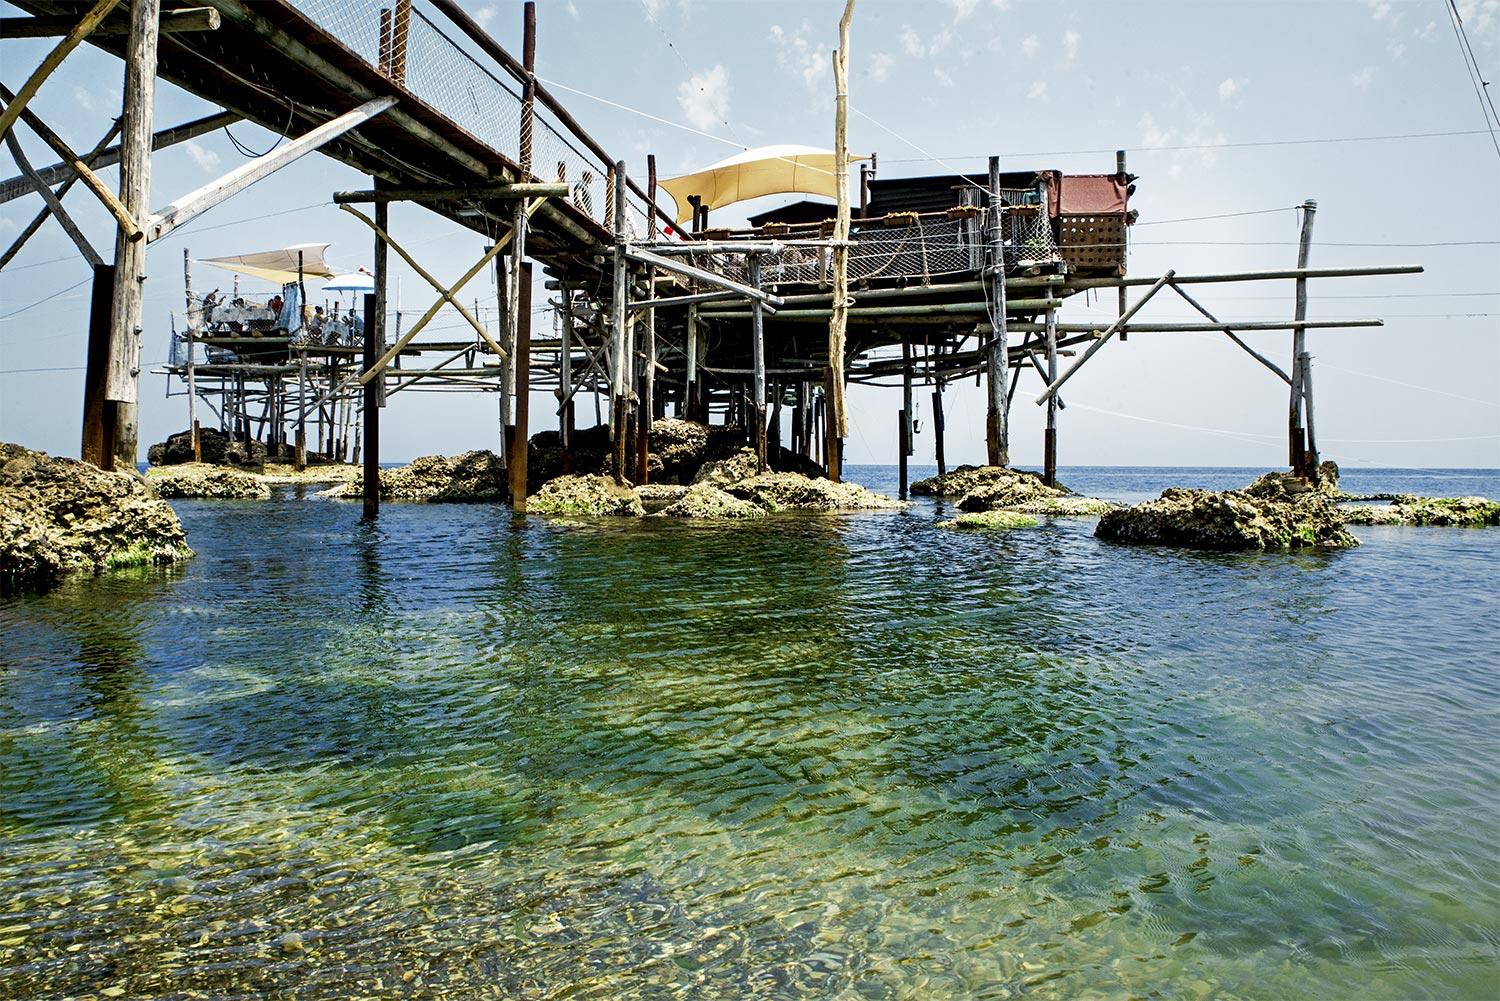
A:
[122,215]
[1114,328]
[445,293]
[16,103]
[406,338]
[54,204]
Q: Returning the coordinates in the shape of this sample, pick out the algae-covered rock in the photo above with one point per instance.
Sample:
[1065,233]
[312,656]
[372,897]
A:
[476,477]
[60,516]
[1000,487]
[703,500]
[655,496]
[1065,507]
[1272,513]
[203,480]
[794,492]
[991,520]
[1445,512]
[741,465]
[585,495]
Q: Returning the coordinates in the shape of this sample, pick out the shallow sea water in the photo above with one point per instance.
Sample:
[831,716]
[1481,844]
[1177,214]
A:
[455,756]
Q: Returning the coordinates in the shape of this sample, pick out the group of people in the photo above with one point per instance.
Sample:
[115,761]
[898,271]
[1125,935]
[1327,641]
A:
[341,326]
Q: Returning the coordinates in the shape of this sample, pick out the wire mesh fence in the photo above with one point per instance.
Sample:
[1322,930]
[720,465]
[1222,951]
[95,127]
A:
[482,98]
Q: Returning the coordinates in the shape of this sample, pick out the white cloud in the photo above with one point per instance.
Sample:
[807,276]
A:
[1037,90]
[1426,32]
[1030,45]
[914,45]
[1363,78]
[572,10]
[799,53]
[485,14]
[653,9]
[942,76]
[202,156]
[1070,47]
[1379,9]
[83,98]
[704,98]
[1479,16]
[1396,49]
[880,66]
[1230,87]
[962,8]
[1152,135]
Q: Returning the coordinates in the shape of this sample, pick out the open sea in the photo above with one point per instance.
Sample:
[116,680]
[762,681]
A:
[455,755]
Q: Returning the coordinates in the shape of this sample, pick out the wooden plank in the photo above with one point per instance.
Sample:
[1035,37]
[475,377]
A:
[16,103]
[473,192]
[187,19]
[195,203]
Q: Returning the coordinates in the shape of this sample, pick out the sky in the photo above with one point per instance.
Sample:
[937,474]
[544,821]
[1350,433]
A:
[1215,102]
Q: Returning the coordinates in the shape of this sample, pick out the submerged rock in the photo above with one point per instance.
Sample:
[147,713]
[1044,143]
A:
[1277,511]
[991,520]
[218,448]
[1066,507]
[794,492]
[1446,512]
[656,496]
[476,477]
[585,495]
[203,480]
[60,516]
[703,500]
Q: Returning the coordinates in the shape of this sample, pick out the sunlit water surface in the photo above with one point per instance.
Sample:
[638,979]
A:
[851,756]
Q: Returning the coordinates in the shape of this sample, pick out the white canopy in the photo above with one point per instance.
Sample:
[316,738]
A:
[278,266]
[769,170]
[354,281]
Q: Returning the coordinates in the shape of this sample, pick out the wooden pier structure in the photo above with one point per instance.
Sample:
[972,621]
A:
[929,280]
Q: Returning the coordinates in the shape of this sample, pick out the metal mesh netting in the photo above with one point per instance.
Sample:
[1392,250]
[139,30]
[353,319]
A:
[418,55]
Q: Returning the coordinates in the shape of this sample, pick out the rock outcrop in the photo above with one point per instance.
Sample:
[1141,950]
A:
[203,480]
[585,495]
[471,478]
[1277,511]
[999,488]
[1408,509]
[656,496]
[795,492]
[219,449]
[703,500]
[60,516]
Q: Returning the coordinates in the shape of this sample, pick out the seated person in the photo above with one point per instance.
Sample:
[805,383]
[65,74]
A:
[274,305]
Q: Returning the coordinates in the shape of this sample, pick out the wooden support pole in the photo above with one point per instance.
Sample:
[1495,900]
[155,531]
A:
[758,358]
[374,342]
[690,367]
[15,104]
[98,439]
[1049,456]
[1314,473]
[938,446]
[519,439]
[997,438]
[838,322]
[130,254]
[300,460]
[194,321]
[528,86]
[619,314]
[565,387]
[904,441]
[1296,432]
[400,23]
[1124,297]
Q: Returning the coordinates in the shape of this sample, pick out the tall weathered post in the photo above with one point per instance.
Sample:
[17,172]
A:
[758,353]
[619,384]
[98,445]
[838,322]
[905,436]
[565,386]
[1049,457]
[1296,433]
[194,321]
[1124,297]
[374,347]
[519,441]
[997,437]
[122,391]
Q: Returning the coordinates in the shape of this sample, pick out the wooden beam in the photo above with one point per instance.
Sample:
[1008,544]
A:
[54,204]
[1253,276]
[41,217]
[16,103]
[122,215]
[189,19]
[103,157]
[463,311]
[473,192]
[1104,339]
[1268,363]
[195,203]
[707,277]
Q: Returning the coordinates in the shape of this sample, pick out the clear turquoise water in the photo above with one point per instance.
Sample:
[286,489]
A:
[848,756]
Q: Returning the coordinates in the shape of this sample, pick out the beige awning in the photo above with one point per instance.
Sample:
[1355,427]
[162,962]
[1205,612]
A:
[769,170]
[279,266]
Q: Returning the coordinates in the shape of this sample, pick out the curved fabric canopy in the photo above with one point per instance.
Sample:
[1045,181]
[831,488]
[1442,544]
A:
[278,266]
[769,170]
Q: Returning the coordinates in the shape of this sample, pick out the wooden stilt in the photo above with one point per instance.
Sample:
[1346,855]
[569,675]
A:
[1296,433]
[938,445]
[98,413]
[1311,456]
[130,252]
[619,383]
[1049,458]
[997,437]
[838,323]
[758,352]
[565,382]
[1124,298]
[373,346]
[904,434]
[519,441]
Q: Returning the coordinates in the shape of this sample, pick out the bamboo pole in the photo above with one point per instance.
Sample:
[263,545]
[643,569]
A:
[838,323]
